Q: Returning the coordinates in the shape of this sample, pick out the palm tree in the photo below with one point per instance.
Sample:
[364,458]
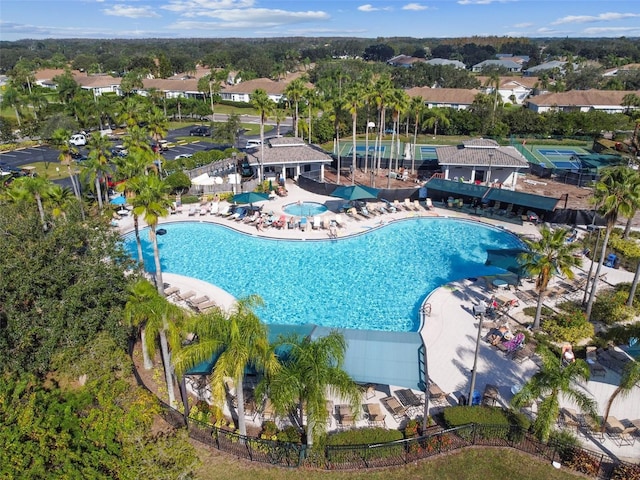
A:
[59,198]
[156,317]
[417,107]
[613,196]
[294,92]
[494,82]
[399,102]
[547,256]
[239,340]
[260,101]
[634,188]
[382,91]
[31,188]
[436,118]
[98,164]
[60,141]
[152,202]
[353,101]
[311,370]
[548,384]
[629,380]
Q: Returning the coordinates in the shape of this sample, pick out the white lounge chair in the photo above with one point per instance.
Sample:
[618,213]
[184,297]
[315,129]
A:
[192,211]
[316,223]
[215,208]
[428,203]
[338,220]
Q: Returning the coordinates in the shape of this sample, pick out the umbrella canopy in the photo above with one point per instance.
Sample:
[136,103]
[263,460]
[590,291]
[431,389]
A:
[507,259]
[355,192]
[250,197]
[119,200]
[203,179]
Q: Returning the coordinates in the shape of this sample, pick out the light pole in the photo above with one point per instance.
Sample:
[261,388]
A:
[366,148]
[479,313]
[489,170]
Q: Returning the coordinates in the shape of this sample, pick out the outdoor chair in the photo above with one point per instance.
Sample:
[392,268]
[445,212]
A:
[393,405]
[375,417]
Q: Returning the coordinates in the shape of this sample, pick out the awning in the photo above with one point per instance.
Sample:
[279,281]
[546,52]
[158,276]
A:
[529,200]
[457,188]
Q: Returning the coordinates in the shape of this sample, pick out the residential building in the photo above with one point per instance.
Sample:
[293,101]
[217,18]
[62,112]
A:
[242,91]
[510,65]
[444,62]
[609,101]
[456,98]
[514,90]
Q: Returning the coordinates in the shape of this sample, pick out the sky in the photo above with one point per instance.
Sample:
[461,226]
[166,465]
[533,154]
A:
[39,19]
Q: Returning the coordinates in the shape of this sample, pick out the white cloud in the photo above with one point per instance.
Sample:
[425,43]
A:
[131,12]
[523,25]
[598,31]
[414,6]
[368,8]
[257,17]
[180,6]
[603,17]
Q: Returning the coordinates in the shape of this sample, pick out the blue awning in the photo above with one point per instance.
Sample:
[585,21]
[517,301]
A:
[529,200]
[457,188]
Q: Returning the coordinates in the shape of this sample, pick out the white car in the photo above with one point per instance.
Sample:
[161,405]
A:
[182,155]
[78,140]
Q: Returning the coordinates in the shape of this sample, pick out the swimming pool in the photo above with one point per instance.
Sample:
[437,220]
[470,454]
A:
[375,281]
[308,209]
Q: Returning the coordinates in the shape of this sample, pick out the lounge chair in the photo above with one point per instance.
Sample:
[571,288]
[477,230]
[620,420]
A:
[222,210]
[398,206]
[205,306]
[198,300]
[393,405]
[326,223]
[317,223]
[215,208]
[389,206]
[203,210]
[362,210]
[375,416]
[281,222]
[408,205]
[250,219]
[171,291]
[338,220]
[192,211]
[240,212]
[428,204]
[227,212]
[416,205]
[514,344]
[303,224]
[353,213]
[186,296]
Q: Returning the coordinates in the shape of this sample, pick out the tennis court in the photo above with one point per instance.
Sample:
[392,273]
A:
[384,149]
[426,152]
[561,157]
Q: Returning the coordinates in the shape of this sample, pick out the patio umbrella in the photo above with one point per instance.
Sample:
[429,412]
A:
[355,192]
[119,200]
[507,259]
[250,197]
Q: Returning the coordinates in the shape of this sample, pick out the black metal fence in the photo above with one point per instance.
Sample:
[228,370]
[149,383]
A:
[401,452]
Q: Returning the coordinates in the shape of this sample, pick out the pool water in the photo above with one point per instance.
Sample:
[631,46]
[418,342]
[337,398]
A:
[375,281]
[302,209]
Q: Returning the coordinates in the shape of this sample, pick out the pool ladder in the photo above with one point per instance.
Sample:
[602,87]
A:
[426,309]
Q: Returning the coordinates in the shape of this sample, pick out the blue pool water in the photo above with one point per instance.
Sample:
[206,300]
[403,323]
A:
[376,281]
[308,209]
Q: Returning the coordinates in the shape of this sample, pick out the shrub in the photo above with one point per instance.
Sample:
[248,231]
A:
[269,430]
[179,182]
[568,327]
[610,308]
[186,199]
[411,429]
[626,472]
[364,436]
[582,462]
[290,434]
[463,415]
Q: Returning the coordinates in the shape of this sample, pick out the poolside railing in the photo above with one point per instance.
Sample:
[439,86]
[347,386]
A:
[401,452]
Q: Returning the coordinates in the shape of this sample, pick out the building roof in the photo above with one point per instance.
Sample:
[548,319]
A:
[173,84]
[547,66]
[584,98]
[266,84]
[511,81]
[481,152]
[444,95]
[444,61]
[510,64]
[284,150]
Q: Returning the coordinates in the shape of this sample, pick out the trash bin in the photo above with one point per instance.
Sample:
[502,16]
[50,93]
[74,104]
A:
[611,260]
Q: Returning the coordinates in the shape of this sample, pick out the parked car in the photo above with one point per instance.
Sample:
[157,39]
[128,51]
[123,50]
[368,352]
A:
[164,145]
[78,140]
[183,155]
[119,151]
[253,143]
[200,132]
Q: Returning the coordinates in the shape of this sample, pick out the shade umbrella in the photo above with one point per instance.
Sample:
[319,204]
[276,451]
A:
[355,192]
[119,200]
[508,259]
[250,198]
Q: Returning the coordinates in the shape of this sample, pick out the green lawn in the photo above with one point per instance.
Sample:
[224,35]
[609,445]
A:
[51,171]
[468,464]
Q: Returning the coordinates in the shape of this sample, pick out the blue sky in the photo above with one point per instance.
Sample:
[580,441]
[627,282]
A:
[274,18]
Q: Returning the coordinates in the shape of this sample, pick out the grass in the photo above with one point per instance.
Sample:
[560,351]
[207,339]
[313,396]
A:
[470,464]
[50,170]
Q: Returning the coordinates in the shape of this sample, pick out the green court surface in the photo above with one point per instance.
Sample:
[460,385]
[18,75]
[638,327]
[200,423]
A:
[554,156]
[422,152]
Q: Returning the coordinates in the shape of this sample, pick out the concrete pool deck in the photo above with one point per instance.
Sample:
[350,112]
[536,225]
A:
[449,332]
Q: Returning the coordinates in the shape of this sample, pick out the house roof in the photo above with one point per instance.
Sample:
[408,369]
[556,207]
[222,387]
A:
[547,66]
[444,61]
[269,86]
[510,64]
[584,98]
[444,95]
[174,84]
[511,81]
[279,151]
[481,152]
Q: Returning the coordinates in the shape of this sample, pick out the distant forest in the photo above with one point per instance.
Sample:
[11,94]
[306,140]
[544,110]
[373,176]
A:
[270,57]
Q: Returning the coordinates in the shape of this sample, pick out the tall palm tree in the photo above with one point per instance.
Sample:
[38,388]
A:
[295,92]
[353,101]
[131,172]
[60,140]
[382,91]
[613,196]
[399,102]
[59,198]
[152,203]
[629,380]
[547,385]
[417,108]
[494,82]
[98,167]
[33,189]
[311,370]
[239,340]
[436,118]
[634,188]
[264,105]
[549,255]
[156,317]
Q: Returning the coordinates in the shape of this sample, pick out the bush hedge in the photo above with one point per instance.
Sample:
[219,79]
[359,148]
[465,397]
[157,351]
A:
[364,436]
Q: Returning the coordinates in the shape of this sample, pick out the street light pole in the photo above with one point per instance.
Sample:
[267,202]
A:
[472,387]
[595,252]
[366,147]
